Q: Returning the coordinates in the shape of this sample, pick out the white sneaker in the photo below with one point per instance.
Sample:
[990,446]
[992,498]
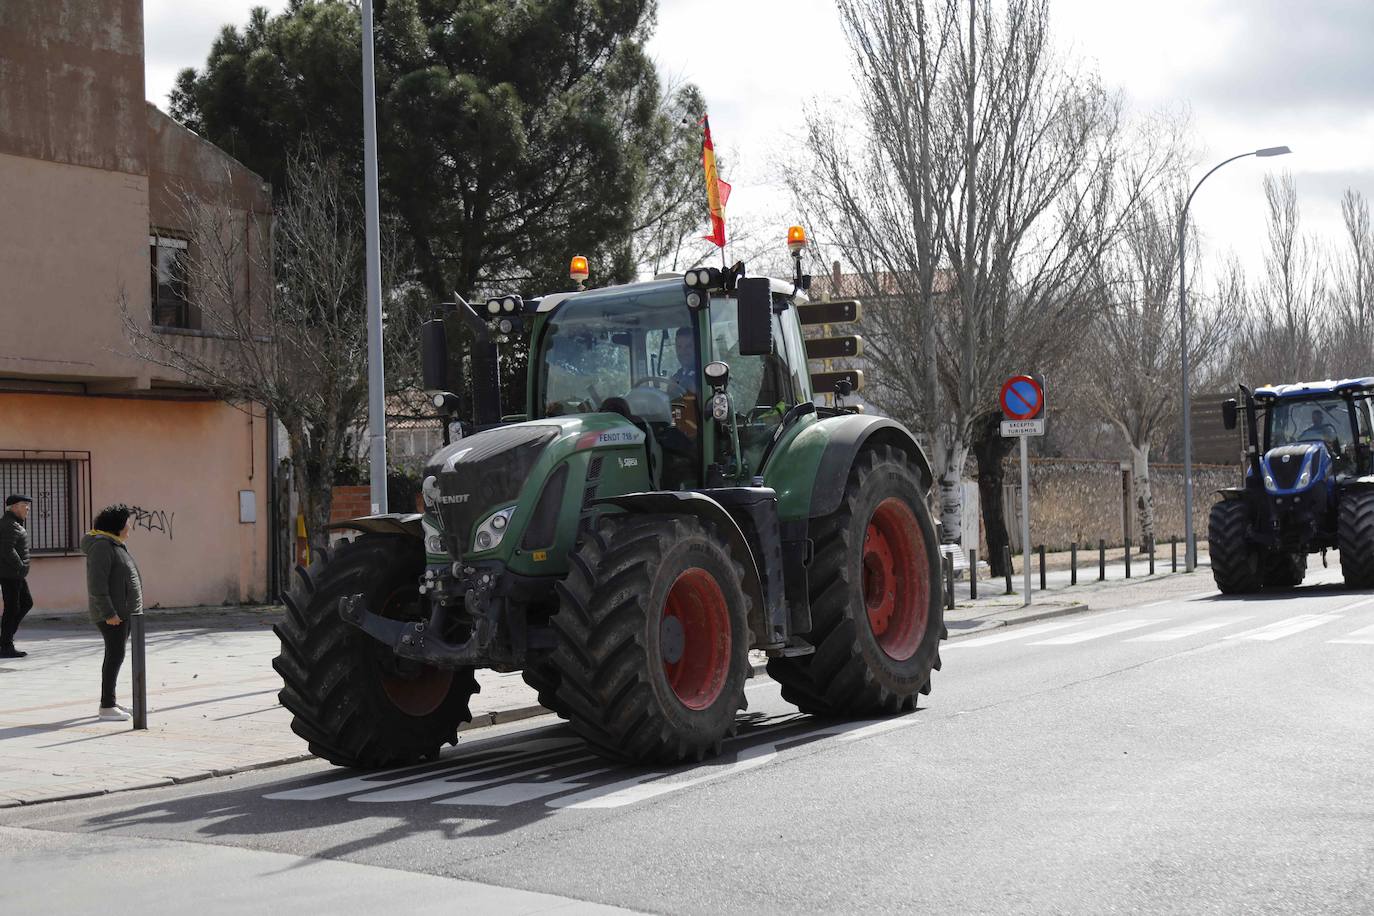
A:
[113,714]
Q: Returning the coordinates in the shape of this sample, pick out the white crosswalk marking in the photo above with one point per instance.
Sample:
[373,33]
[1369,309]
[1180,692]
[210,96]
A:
[1362,637]
[449,782]
[1189,629]
[517,793]
[1111,629]
[1288,627]
[1006,635]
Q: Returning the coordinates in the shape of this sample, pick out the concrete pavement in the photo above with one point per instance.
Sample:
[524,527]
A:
[212,693]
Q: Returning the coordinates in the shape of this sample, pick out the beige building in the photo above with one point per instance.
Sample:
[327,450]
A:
[90,179]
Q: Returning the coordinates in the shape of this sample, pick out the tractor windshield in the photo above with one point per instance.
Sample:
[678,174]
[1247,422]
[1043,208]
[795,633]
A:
[1316,420]
[633,352]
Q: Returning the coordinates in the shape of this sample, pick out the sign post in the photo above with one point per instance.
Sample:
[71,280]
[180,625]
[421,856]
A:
[1023,407]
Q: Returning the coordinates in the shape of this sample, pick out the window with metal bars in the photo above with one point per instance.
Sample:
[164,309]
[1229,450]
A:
[59,483]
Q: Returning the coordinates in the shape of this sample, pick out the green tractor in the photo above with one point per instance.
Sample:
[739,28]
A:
[671,498]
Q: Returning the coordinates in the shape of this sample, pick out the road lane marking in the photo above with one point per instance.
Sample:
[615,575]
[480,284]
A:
[1351,607]
[1283,628]
[1007,634]
[1189,629]
[449,783]
[354,784]
[1362,637]
[1110,629]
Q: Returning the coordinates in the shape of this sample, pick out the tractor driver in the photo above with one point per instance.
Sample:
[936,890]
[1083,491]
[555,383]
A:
[686,375]
[1321,428]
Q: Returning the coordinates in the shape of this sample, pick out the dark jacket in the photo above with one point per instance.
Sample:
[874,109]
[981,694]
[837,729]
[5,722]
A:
[14,547]
[112,583]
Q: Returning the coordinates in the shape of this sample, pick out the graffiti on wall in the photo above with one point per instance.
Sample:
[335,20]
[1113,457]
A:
[158,520]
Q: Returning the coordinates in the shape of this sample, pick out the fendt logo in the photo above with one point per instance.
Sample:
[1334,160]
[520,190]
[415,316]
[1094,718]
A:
[455,498]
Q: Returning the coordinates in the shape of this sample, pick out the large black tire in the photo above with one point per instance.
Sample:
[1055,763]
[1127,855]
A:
[353,701]
[1355,538]
[1285,570]
[634,684]
[1235,561]
[866,664]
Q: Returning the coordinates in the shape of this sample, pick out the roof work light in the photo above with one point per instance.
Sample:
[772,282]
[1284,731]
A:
[577,270]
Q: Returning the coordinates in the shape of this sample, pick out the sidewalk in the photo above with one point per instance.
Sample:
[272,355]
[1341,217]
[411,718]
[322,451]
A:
[212,691]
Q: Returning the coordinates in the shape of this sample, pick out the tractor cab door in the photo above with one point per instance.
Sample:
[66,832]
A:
[762,388]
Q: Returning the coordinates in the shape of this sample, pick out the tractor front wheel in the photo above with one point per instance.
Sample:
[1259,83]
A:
[653,639]
[1355,538]
[354,702]
[1285,570]
[876,615]
[1235,561]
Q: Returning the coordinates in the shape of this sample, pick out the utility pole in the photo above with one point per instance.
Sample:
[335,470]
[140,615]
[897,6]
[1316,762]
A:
[376,368]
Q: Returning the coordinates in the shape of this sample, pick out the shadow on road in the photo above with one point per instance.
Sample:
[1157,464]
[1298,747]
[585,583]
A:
[482,789]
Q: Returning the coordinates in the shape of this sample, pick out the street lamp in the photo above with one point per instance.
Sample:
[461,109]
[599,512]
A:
[1190,544]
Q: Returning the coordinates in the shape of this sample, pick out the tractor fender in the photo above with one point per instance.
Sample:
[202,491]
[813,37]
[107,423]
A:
[1359,483]
[686,502]
[406,524]
[1231,493]
[850,435]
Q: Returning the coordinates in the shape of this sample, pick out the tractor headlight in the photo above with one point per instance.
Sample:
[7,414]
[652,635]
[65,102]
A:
[1303,480]
[720,407]
[433,542]
[430,488]
[1269,484]
[694,300]
[493,528]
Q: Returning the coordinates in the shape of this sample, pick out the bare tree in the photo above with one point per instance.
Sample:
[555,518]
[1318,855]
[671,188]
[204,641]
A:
[299,351]
[1353,293]
[1134,347]
[986,183]
[1282,336]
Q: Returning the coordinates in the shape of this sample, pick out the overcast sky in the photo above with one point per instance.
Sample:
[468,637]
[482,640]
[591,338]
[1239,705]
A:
[1253,73]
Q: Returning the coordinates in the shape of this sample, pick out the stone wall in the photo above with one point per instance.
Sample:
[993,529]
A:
[1073,500]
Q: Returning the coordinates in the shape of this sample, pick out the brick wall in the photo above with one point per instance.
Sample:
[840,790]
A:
[350,502]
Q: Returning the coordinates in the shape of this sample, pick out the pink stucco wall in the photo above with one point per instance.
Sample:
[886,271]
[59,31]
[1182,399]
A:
[185,460]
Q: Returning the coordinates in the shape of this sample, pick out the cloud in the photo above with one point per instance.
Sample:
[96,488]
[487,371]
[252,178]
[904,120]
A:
[1285,55]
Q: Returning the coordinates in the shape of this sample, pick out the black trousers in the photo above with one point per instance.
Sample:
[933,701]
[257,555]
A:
[115,638]
[18,601]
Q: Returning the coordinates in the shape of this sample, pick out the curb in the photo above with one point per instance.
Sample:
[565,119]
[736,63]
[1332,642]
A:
[995,623]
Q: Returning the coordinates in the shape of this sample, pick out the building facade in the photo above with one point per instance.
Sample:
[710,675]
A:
[94,182]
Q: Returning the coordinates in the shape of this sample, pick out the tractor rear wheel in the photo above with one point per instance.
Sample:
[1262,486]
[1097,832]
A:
[1355,538]
[1235,561]
[1285,570]
[875,598]
[653,639]
[354,702]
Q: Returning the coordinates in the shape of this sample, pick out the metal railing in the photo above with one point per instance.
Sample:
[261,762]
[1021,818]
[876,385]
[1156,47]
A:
[59,482]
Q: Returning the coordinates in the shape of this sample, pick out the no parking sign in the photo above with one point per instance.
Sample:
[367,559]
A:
[1023,406]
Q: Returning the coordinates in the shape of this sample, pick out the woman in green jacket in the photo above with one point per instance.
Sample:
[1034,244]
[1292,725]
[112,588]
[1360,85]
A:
[115,593]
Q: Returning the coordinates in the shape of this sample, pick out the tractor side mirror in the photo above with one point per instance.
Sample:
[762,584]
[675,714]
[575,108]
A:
[1229,413]
[754,300]
[434,355]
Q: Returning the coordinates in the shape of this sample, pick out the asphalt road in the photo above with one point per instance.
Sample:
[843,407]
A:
[1190,754]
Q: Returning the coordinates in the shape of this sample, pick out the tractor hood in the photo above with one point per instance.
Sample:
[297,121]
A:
[486,490]
[1295,468]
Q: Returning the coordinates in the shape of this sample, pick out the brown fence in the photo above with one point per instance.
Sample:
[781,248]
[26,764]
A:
[1084,501]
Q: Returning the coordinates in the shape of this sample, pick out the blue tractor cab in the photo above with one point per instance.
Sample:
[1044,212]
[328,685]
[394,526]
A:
[1309,486]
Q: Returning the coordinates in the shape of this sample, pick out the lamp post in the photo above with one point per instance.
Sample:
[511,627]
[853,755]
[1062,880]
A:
[1190,543]
[376,375]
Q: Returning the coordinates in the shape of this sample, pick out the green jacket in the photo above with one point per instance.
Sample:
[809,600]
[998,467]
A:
[14,547]
[112,583]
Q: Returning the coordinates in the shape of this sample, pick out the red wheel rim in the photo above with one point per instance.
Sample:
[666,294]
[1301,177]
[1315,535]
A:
[896,582]
[413,688]
[694,638]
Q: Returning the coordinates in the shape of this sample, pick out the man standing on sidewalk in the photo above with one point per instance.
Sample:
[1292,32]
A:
[14,571]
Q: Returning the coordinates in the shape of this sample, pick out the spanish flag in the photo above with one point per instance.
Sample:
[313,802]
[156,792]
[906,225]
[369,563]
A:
[717,191]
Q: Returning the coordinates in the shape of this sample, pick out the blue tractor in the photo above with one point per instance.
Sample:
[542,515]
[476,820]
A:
[1310,489]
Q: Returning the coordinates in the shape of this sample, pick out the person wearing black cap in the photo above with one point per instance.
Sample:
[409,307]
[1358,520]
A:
[14,571]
